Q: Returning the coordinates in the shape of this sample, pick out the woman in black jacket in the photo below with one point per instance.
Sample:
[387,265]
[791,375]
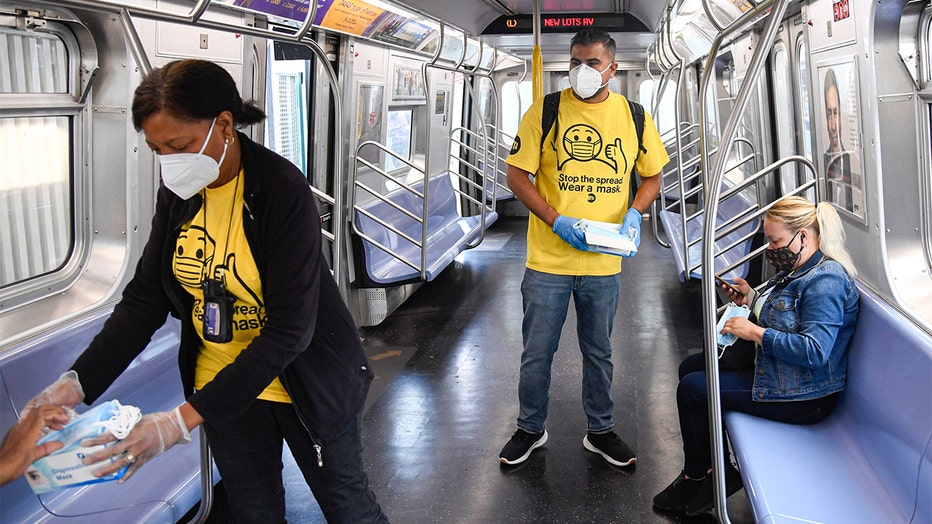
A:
[269,351]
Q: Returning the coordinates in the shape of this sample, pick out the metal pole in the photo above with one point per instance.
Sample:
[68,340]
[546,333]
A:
[537,60]
[774,19]
[135,43]
[207,482]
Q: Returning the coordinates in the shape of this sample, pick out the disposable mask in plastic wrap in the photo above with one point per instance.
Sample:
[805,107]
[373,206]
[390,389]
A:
[65,467]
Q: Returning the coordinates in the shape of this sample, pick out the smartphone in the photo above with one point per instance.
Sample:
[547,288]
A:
[728,284]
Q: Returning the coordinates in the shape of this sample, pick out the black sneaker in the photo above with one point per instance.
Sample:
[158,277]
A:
[610,446]
[704,499]
[519,448]
[679,493]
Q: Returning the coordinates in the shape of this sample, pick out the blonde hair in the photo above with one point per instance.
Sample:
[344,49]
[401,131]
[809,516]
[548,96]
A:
[796,213]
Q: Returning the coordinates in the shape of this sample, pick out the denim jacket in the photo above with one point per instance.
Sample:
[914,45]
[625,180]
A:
[809,316]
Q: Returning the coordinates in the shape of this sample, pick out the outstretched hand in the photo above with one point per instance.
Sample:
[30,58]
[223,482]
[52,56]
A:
[153,435]
[19,446]
[66,391]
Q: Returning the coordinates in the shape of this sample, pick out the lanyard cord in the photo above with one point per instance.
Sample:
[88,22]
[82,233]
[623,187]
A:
[226,245]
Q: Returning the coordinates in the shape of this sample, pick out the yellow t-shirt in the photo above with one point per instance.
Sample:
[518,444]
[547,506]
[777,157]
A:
[583,171]
[214,237]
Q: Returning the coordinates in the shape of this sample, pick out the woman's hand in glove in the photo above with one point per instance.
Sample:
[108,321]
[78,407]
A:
[152,436]
[66,391]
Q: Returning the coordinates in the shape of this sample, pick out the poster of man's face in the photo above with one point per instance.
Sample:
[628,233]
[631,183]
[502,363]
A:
[840,138]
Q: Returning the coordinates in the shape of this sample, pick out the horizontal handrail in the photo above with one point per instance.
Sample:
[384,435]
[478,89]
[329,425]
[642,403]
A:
[484,151]
[423,195]
[763,211]
[389,226]
[387,176]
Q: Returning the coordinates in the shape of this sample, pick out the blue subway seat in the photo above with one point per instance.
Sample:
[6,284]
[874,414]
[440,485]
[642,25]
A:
[448,233]
[871,459]
[728,208]
[669,181]
[164,489]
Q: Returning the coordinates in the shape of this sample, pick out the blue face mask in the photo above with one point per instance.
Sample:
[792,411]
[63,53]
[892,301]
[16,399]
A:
[727,339]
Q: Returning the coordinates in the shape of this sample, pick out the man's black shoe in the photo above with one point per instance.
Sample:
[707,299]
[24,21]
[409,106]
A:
[519,448]
[611,447]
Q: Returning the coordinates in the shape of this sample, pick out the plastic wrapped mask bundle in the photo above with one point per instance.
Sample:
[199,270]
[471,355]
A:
[605,237]
[65,467]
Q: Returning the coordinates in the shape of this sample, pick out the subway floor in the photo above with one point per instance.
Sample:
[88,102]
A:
[444,400]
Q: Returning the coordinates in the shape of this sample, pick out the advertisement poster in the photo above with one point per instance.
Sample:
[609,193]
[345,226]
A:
[354,17]
[839,135]
[407,82]
[292,9]
[349,16]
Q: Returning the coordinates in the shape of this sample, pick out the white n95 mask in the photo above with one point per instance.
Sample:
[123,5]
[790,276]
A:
[586,81]
[187,173]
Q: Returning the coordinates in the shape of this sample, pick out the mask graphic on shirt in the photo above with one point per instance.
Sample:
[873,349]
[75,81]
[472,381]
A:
[586,81]
[191,264]
[782,258]
[187,173]
[582,142]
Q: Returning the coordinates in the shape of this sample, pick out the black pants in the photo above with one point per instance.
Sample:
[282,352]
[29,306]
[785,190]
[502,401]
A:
[692,402]
[250,461]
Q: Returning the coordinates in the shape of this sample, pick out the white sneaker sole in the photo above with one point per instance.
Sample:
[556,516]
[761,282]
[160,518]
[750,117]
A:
[588,445]
[522,458]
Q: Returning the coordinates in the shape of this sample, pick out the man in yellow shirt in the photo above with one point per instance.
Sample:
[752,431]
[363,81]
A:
[582,171]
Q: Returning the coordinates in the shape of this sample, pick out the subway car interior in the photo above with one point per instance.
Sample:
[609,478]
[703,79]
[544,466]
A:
[402,114]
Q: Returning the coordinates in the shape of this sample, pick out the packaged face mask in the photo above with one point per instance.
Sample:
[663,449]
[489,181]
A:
[65,467]
[606,237]
[731,311]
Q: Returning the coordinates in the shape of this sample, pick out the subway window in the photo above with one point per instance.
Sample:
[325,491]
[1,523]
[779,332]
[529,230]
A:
[516,99]
[784,115]
[36,197]
[802,78]
[665,116]
[804,127]
[925,46]
[399,137]
[286,127]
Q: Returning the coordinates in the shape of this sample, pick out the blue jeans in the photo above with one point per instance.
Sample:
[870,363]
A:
[692,402]
[250,461]
[546,299]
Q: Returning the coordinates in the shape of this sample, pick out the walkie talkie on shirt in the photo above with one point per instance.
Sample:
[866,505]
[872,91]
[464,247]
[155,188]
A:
[218,308]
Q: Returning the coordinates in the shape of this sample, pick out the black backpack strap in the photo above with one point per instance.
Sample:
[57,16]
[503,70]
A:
[549,115]
[637,114]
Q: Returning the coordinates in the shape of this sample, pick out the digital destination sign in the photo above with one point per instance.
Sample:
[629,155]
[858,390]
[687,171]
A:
[566,23]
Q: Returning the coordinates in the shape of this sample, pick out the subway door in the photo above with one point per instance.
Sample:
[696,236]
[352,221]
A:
[790,104]
[439,101]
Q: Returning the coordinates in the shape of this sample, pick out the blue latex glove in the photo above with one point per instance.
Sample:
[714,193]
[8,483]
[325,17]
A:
[633,220]
[563,227]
